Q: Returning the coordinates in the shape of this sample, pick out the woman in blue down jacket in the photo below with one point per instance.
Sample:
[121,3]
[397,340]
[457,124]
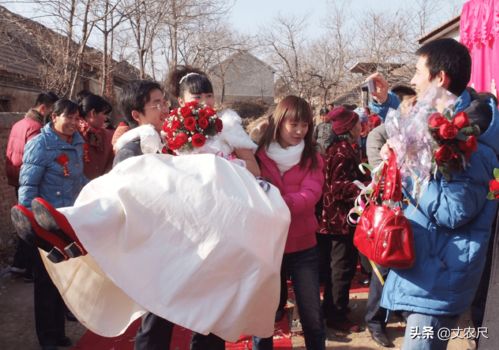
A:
[52,169]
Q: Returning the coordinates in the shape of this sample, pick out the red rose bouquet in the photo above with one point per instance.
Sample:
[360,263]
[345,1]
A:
[188,127]
[456,140]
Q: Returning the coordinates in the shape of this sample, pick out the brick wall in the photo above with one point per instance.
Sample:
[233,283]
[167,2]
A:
[7,195]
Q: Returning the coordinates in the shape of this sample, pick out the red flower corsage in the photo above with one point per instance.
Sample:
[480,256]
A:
[63,160]
[494,186]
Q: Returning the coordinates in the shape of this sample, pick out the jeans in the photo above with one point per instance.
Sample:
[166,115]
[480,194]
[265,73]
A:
[416,338]
[303,268]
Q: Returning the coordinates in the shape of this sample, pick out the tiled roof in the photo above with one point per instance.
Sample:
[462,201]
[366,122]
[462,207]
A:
[19,55]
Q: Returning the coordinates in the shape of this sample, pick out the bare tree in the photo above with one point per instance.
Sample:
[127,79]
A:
[109,20]
[185,24]
[145,18]
[284,40]
[74,20]
[424,13]
[87,27]
[329,56]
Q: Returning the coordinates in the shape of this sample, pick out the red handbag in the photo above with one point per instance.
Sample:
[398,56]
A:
[383,233]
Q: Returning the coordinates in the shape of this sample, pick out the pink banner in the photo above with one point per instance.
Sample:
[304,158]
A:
[479,31]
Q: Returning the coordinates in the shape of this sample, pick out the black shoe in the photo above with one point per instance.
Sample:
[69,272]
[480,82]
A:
[381,338]
[49,347]
[65,342]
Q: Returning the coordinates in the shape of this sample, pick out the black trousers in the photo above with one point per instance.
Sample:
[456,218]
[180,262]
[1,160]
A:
[155,333]
[375,314]
[339,254]
[50,310]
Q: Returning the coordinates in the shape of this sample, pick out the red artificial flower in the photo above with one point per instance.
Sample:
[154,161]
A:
[436,119]
[494,186]
[447,131]
[209,112]
[178,141]
[185,111]
[181,138]
[190,123]
[63,160]
[469,146]
[202,113]
[172,144]
[166,128]
[218,124]
[192,104]
[461,120]
[443,154]
[198,140]
[176,124]
[203,123]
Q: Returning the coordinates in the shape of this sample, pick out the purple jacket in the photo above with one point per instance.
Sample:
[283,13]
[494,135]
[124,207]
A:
[301,190]
[21,132]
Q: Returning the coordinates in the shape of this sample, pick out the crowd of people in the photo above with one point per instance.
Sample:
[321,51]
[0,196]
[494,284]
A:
[61,150]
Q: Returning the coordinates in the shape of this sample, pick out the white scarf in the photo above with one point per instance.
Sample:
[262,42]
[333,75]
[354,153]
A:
[285,158]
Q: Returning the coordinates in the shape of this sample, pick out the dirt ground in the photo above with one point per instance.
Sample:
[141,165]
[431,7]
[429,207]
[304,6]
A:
[18,331]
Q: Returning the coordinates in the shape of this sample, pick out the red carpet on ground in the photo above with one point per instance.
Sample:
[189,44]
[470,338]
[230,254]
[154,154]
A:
[181,336]
[180,341]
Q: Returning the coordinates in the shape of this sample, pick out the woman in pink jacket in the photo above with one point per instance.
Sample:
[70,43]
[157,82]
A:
[288,160]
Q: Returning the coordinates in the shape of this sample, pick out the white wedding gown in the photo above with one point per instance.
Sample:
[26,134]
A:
[191,238]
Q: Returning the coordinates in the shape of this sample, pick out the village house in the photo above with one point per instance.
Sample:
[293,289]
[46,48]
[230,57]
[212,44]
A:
[243,77]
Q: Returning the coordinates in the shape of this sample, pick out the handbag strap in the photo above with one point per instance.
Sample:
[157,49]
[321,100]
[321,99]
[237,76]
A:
[392,182]
[377,272]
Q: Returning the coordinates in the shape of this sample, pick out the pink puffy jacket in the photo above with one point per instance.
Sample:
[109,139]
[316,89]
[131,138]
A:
[301,190]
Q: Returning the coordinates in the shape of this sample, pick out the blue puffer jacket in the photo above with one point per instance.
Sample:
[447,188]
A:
[42,176]
[381,109]
[451,226]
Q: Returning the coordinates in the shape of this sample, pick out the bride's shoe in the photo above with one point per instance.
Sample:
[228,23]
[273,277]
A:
[30,232]
[51,220]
